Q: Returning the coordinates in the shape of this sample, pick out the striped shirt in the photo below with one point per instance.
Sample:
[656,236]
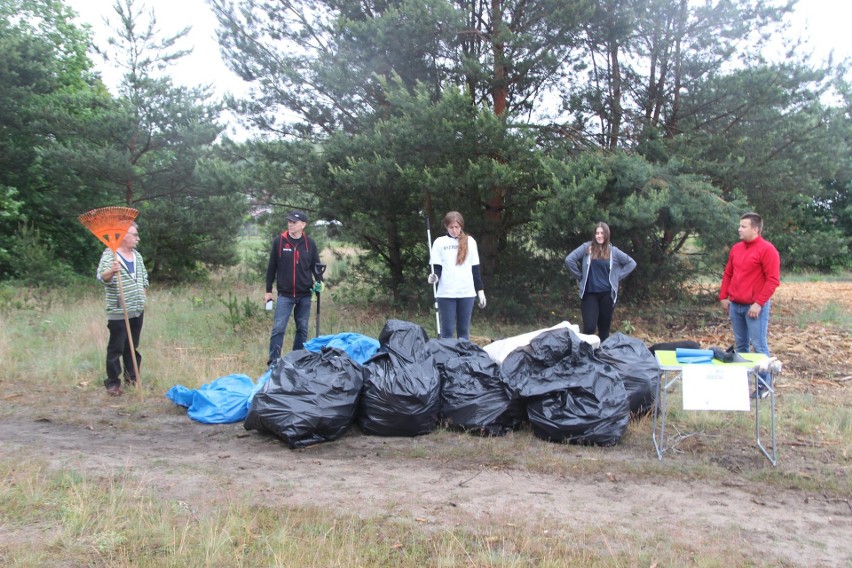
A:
[133,284]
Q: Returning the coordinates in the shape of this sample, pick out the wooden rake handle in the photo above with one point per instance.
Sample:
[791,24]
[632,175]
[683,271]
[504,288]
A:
[130,337]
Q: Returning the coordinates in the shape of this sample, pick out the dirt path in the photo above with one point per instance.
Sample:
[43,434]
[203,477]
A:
[198,464]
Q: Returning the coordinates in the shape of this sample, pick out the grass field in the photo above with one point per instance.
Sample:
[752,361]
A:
[93,481]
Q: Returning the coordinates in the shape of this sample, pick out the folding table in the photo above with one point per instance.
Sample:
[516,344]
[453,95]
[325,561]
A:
[671,371]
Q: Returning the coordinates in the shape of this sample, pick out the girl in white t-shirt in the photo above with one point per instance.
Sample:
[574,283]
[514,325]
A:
[455,260]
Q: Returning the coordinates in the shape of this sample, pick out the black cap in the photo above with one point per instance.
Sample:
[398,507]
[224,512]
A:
[297,216]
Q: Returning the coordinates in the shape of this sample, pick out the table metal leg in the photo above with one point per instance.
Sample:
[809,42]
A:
[660,409]
[657,404]
[758,380]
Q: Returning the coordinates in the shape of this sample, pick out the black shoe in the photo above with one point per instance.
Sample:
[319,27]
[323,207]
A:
[114,390]
[761,392]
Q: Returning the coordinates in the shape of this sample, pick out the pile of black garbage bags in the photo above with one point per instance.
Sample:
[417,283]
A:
[567,390]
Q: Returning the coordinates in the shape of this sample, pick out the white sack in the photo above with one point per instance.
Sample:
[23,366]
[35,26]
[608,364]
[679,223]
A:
[498,350]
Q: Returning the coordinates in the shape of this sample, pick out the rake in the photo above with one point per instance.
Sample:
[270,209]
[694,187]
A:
[110,225]
[432,271]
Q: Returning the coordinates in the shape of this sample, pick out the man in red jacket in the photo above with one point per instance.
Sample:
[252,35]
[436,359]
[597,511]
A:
[751,276]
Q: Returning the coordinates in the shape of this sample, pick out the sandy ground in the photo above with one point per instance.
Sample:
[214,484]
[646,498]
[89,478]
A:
[194,463]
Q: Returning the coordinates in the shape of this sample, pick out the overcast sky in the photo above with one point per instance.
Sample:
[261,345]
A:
[203,66]
[824,22]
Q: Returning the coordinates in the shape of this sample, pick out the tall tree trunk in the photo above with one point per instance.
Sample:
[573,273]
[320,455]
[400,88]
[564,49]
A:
[663,51]
[615,93]
[471,38]
[493,217]
[672,123]
[395,260]
[499,90]
[652,75]
[128,183]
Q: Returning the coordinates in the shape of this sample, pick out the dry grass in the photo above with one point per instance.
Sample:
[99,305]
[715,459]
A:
[117,521]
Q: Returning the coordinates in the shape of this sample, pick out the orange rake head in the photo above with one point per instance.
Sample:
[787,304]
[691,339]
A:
[109,224]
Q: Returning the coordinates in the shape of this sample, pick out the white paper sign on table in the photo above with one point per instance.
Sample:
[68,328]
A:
[715,387]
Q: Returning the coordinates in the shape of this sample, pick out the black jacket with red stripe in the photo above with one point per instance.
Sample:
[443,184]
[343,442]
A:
[291,265]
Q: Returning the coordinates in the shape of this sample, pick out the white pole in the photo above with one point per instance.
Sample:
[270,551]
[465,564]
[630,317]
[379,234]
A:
[432,271]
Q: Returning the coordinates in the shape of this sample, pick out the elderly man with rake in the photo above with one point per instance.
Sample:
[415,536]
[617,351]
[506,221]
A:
[125,279]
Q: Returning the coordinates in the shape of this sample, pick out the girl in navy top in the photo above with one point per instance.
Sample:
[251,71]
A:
[598,267]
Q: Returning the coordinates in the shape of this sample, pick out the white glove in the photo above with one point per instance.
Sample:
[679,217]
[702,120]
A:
[433,278]
[481,295]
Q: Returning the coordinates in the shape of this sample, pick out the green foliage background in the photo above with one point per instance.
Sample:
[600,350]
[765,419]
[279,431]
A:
[665,120]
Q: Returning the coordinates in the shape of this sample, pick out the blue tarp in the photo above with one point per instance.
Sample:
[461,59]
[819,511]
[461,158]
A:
[693,356]
[359,347]
[228,399]
[222,401]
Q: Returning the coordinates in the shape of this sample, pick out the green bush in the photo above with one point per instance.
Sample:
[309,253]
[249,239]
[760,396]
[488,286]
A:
[34,262]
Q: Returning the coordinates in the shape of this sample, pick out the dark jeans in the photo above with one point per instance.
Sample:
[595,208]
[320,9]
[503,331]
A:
[301,309]
[455,314]
[597,308]
[118,350]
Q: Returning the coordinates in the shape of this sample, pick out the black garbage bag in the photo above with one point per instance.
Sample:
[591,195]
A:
[638,367]
[594,410]
[537,369]
[309,397]
[572,396]
[445,350]
[472,395]
[401,394]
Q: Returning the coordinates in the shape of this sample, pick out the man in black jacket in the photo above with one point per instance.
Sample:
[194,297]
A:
[292,264]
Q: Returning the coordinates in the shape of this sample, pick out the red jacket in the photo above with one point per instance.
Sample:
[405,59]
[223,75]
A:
[753,272]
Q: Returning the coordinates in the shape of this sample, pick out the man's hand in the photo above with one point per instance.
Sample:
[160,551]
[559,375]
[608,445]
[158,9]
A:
[754,310]
[432,279]
[267,297]
[482,302]
[726,304]
[111,271]
[318,287]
